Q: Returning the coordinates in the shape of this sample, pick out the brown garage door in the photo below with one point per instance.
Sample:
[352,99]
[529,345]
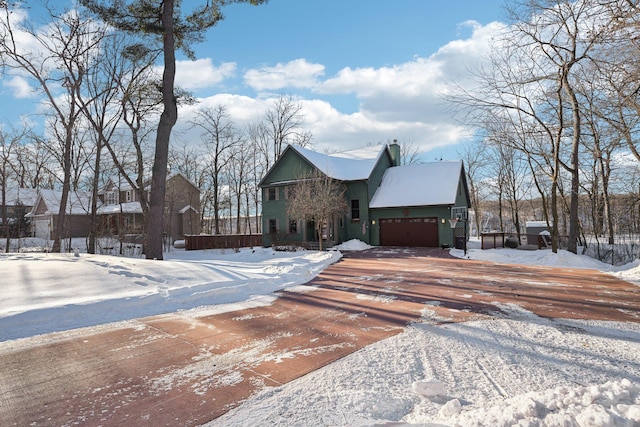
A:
[422,232]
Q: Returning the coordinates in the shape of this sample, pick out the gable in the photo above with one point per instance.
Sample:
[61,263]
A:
[428,184]
[182,181]
[289,167]
[48,202]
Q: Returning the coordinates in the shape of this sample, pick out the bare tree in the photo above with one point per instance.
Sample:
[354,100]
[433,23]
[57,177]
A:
[319,199]
[174,30]
[219,135]
[410,153]
[241,161]
[8,141]
[473,156]
[57,63]
[283,123]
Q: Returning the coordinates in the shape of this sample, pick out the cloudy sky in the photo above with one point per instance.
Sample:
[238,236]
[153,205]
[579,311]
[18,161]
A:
[365,71]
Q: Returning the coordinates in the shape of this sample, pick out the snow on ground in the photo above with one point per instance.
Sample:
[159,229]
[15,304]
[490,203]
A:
[518,370]
[42,293]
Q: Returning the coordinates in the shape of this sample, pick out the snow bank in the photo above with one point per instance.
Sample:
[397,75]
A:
[43,293]
[353,245]
[614,403]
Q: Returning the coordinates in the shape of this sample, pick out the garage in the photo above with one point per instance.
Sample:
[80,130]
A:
[412,232]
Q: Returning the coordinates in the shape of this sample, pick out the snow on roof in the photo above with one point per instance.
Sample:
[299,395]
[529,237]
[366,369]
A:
[536,224]
[79,203]
[186,208]
[352,165]
[426,184]
[25,196]
[129,208]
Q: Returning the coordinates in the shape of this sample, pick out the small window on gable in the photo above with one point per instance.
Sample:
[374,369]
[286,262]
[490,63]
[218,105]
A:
[355,210]
[272,193]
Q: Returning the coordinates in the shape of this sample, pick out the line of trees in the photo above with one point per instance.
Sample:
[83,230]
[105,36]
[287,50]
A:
[107,111]
[558,104]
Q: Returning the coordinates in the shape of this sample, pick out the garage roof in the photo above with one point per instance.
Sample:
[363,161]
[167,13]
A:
[427,184]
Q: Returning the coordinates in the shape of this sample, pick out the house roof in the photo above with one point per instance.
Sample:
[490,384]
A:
[79,203]
[25,196]
[352,165]
[427,184]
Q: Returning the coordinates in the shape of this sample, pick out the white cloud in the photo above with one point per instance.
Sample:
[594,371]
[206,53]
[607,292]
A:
[202,73]
[402,101]
[19,87]
[295,74]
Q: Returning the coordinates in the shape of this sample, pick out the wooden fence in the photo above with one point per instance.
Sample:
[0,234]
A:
[225,241]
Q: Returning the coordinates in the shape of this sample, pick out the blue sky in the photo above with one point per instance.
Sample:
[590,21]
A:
[365,71]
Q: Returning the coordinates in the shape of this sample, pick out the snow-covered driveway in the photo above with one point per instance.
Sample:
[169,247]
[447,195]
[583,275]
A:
[187,368]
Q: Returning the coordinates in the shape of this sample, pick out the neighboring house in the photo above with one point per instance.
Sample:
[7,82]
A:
[388,204]
[121,212]
[18,202]
[44,214]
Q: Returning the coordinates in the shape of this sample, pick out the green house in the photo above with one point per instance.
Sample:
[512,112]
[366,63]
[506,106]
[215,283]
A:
[421,205]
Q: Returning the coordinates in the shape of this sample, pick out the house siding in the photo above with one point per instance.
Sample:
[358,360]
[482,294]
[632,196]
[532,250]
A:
[357,228]
[290,166]
[363,191]
[277,210]
[180,194]
[365,228]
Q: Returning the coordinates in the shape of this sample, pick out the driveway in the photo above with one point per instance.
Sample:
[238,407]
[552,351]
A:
[180,370]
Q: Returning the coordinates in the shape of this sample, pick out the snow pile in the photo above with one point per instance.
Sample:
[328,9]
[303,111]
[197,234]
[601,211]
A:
[429,388]
[353,245]
[540,257]
[614,403]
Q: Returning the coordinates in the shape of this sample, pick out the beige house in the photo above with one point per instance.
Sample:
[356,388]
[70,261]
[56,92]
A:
[121,213]
[44,214]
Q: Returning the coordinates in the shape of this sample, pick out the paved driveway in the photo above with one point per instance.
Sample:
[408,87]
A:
[179,370]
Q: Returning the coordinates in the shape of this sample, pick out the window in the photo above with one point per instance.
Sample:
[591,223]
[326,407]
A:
[272,193]
[128,196]
[293,226]
[111,198]
[355,210]
[273,226]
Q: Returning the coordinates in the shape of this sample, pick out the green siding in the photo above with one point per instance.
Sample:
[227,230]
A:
[291,165]
[353,228]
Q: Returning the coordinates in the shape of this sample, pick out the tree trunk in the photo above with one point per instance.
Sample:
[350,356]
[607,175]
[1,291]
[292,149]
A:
[168,118]
[574,221]
[66,186]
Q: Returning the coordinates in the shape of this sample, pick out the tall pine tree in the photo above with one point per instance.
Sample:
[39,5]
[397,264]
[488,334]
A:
[164,20]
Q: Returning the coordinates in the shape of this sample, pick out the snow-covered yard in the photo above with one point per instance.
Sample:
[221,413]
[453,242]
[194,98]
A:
[517,370]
